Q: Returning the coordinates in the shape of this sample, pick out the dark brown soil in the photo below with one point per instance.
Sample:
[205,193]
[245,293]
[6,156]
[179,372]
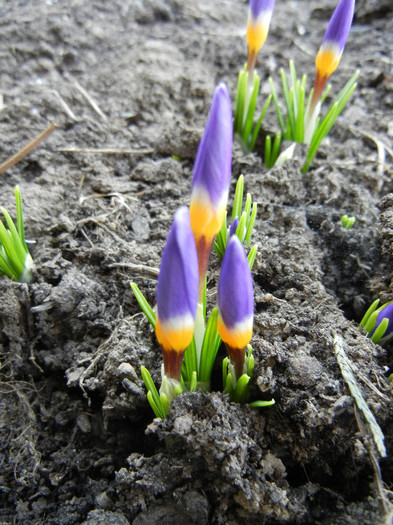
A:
[78,443]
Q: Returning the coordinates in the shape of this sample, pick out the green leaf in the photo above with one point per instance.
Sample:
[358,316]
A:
[210,346]
[251,257]
[241,392]
[15,238]
[370,310]
[257,404]
[10,251]
[190,362]
[259,123]
[152,394]
[238,199]
[251,223]
[145,307]
[19,217]
[277,106]
[380,330]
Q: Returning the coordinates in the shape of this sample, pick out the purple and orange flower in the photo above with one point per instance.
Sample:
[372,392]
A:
[177,293]
[235,303]
[259,16]
[333,43]
[211,177]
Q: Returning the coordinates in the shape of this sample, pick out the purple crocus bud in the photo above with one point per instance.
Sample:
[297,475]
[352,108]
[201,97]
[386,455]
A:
[211,177]
[235,303]
[259,16]
[333,43]
[177,293]
[234,225]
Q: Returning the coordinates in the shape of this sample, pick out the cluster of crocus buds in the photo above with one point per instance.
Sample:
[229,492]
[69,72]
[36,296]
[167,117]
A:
[259,16]
[329,56]
[186,254]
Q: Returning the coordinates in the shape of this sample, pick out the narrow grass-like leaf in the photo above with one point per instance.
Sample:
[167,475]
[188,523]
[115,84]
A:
[190,361]
[10,251]
[241,392]
[153,396]
[193,383]
[258,404]
[15,238]
[251,223]
[145,307]
[259,123]
[246,133]
[380,330]
[240,101]
[238,199]
[289,105]
[268,152]
[241,228]
[277,106]
[19,217]
[211,343]
[370,310]
[251,257]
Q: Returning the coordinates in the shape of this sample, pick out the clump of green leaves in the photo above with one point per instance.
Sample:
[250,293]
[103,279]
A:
[15,259]
[245,223]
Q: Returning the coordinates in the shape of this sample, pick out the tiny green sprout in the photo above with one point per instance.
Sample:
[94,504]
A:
[242,224]
[348,221]
[15,259]
[176,157]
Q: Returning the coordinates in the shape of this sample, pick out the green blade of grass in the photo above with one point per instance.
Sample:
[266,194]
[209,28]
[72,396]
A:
[15,238]
[380,330]
[251,223]
[10,251]
[190,362]
[277,106]
[268,152]
[152,393]
[251,111]
[289,106]
[240,101]
[251,257]
[260,404]
[370,310]
[259,123]
[238,199]
[241,228]
[145,306]
[7,269]
[211,343]
[19,216]
[241,393]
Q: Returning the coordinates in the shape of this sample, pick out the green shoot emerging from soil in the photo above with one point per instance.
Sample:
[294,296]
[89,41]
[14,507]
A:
[15,259]
[378,322]
[242,223]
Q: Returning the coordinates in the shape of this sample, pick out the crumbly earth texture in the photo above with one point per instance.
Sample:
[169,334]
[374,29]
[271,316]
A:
[129,85]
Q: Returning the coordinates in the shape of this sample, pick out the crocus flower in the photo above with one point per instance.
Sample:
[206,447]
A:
[211,177]
[235,303]
[333,43]
[177,293]
[259,16]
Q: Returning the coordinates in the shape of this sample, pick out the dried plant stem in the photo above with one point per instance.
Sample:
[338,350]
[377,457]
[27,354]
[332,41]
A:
[26,150]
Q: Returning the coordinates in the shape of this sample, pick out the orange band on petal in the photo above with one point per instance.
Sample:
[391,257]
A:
[239,336]
[205,221]
[176,339]
[256,37]
[327,61]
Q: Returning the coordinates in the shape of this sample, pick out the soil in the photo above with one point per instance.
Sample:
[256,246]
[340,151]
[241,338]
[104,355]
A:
[77,437]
